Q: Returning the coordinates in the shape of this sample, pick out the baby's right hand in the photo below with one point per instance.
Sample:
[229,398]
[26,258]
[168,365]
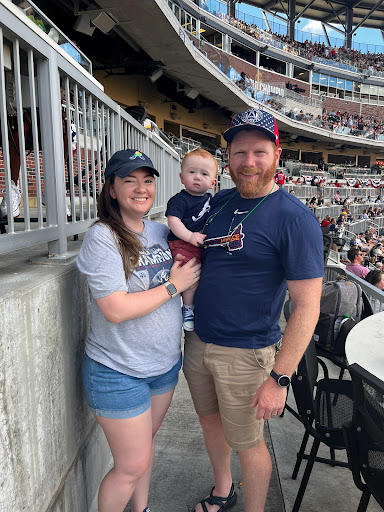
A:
[197,239]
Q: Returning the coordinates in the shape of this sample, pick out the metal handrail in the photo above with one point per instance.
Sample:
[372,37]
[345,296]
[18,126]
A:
[76,128]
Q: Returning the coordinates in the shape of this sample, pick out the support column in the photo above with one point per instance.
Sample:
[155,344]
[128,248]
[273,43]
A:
[289,70]
[226,40]
[198,27]
[291,19]
[231,8]
[257,59]
[348,26]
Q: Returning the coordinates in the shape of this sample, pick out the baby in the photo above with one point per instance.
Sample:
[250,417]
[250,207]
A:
[187,213]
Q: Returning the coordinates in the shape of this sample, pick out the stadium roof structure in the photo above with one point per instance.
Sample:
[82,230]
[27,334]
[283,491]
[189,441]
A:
[350,14]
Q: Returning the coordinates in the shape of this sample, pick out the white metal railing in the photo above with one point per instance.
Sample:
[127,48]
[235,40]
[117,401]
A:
[225,182]
[70,151]
[334,257]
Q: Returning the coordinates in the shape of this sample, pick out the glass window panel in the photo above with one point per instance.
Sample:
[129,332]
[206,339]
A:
[315,78]
[340,83]
[323,79]
[187,21]
[332,81]
[381,91]
[348,85]
[374,90]
[356,87]
[365,88]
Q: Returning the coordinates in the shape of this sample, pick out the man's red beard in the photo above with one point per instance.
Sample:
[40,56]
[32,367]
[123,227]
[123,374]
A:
[251,188]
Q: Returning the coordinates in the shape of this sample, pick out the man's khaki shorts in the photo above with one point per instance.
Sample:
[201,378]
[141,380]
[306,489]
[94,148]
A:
[225,380]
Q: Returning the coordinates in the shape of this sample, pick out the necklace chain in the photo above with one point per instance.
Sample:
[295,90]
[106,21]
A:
[253,209]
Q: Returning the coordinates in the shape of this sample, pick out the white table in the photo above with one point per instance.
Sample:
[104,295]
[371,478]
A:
[365,345]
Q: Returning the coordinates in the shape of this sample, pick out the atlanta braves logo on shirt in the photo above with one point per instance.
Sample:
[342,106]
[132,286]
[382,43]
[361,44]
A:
[204,210]
[233,242]
[155,262]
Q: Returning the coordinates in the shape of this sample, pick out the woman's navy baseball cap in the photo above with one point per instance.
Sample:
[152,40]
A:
[253,118]
[123,162]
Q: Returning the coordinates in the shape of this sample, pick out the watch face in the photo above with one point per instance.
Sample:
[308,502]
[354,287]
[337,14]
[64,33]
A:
[172,288]
[284,381]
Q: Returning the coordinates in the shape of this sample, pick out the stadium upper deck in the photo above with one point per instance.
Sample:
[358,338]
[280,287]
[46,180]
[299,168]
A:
[182,62]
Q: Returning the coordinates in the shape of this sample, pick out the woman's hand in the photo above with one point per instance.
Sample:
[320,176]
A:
[185,276]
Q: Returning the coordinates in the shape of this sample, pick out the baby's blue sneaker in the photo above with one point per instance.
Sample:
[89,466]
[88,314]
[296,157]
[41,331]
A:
[189,318]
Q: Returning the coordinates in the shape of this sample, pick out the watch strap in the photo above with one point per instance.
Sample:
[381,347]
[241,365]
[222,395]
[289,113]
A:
[279,378]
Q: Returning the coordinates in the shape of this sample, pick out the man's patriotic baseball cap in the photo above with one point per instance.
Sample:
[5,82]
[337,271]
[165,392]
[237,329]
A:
[123,162]
[253,118]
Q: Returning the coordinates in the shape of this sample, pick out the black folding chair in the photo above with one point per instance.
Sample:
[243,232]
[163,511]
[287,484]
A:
[364,436]
[322,416]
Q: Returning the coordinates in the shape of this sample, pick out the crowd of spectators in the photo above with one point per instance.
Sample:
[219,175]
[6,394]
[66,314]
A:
[335,121]
[368,63]
[343,122]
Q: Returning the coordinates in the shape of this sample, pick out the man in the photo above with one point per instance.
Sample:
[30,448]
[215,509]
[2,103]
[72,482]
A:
[326,221]
[260,239]
[280,178]
[356,257]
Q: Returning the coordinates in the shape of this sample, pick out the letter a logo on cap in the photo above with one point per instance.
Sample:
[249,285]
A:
[135,155]
[252,116]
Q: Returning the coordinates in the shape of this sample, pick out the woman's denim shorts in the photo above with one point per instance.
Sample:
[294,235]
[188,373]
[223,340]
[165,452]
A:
[115,395]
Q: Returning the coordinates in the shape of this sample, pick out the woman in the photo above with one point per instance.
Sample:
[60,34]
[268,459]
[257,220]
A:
[376,278]
[132,352]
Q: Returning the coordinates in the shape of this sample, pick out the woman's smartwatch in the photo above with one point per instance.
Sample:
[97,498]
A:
[282,380]
[171,289]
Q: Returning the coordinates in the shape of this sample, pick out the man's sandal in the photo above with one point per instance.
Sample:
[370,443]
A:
[224,503]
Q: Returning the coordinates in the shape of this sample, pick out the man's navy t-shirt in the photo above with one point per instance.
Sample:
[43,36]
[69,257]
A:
[192,210]
[243,284]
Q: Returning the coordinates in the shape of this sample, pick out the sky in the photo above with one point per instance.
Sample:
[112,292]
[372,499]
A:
[376,43]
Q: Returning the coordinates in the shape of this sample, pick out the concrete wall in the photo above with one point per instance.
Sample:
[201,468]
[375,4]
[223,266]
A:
[52,453]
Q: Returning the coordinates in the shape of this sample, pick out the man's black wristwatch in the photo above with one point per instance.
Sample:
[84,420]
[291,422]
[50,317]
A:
[171,288]
[282,380]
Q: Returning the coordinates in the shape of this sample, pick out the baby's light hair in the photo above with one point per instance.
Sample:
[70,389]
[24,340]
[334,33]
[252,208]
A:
[204,154]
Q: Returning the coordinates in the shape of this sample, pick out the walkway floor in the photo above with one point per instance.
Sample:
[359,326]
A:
[182,474]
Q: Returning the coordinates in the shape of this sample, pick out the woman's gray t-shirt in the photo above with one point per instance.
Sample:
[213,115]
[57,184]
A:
[145,346]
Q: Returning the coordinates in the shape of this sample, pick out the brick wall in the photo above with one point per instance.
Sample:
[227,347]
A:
[255,73]
[353,108]
[31,173]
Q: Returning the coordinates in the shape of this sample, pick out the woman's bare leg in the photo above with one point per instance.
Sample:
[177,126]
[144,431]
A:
[160,405]
[130,441]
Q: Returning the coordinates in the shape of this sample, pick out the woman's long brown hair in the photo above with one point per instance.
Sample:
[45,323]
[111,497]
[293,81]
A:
[127,240]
